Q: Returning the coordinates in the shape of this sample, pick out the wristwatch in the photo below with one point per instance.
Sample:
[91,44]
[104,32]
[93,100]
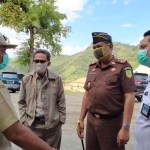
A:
[126,126]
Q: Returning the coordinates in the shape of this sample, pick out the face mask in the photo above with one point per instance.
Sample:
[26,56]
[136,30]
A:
[5,62]
[99,52]
[40,68]
[142,58]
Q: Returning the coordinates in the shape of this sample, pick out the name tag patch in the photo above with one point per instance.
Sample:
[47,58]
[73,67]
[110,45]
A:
[145,110]
[52,83]
[92,73]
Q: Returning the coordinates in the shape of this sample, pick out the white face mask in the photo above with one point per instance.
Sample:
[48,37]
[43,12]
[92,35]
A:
[40,68]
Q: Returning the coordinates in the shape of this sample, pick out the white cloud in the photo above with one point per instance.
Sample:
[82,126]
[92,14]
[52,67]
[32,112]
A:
[70,50]
[90,10]
[114,1]
[128,25]
[126,2]
[71,7]
[97,2]
[138,41]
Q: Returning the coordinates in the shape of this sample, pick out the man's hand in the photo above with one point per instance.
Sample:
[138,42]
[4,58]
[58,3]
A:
[123,137]
[80,129]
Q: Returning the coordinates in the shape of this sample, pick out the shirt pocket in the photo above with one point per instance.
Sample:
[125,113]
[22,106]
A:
[110,80]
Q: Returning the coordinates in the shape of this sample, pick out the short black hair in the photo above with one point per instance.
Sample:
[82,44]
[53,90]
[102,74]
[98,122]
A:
[147,33]
[47,53]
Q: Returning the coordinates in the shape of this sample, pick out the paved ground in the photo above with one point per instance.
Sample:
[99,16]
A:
[70,141]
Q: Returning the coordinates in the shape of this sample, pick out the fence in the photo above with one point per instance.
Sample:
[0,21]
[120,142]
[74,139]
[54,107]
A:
[74,86]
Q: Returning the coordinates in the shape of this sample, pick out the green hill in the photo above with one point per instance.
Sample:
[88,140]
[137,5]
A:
[75,66]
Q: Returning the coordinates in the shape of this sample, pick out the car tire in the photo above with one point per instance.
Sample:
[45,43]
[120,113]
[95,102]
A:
[139,98]
[13,91]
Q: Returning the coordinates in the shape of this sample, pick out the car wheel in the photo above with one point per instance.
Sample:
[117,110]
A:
[139,98]
[13,91]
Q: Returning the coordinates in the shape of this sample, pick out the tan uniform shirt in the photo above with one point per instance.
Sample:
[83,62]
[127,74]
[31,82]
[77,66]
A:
[39,112]
[8,116]
[107,86]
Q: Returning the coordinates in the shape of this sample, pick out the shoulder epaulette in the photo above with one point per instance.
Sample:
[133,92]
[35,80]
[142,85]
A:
[92,63]
[120,61]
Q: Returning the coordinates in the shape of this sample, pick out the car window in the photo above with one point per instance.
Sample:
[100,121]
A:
[9,76]
[140,76]
[20,76]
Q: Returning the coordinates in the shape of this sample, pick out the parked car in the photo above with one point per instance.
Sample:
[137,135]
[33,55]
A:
[141,83]
[11,81]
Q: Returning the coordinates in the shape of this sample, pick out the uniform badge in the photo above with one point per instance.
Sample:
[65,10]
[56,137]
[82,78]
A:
[2,86]
[53,83]
[112,63]
[94,69]
[145,110]
[89,85]
[113,69]
[128,72]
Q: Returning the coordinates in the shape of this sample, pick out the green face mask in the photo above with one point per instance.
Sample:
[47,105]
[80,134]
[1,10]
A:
[99,52]
[5,62]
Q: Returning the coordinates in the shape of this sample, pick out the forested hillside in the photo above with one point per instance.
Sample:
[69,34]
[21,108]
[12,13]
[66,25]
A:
[75,66]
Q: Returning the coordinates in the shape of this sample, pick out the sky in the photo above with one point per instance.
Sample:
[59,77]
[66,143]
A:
[124,20]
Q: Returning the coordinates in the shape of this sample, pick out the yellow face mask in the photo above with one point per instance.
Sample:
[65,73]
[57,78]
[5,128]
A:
[99,52]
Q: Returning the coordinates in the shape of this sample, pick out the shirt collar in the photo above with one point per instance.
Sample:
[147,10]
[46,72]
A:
[111,63]
[38,77]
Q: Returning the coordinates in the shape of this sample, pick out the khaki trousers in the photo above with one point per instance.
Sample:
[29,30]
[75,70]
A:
[101,134]
[51,136]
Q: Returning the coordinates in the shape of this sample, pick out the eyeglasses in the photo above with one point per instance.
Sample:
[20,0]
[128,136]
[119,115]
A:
[40,61]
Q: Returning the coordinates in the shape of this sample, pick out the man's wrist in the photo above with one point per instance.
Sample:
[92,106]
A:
[126,126]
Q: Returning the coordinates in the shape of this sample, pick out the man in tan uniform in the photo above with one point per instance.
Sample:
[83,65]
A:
[10,126]
[109,98]
[42,101]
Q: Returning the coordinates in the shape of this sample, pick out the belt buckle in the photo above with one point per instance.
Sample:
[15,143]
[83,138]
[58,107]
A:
[97,116]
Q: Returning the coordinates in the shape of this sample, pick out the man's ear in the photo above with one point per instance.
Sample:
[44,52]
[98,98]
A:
[48,64]
[111,46]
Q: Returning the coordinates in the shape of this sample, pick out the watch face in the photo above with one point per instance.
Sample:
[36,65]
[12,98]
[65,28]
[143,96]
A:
[126,126]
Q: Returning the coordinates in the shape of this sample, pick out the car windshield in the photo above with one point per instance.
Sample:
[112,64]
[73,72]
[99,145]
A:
[140,76]
[10,76]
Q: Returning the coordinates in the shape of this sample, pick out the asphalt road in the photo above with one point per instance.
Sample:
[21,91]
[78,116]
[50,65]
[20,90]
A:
[70,141]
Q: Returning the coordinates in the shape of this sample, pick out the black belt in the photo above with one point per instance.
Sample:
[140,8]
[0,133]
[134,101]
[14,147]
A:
[42,119]
[100,116]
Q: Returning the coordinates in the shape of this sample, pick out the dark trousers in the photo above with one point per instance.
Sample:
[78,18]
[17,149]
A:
[101,134]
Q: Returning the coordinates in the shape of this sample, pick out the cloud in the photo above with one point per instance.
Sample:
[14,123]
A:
[90,10]
[97,2]
[126,2]
[71,8]
[70,50]
[128,25]
[138,41]
[114,1]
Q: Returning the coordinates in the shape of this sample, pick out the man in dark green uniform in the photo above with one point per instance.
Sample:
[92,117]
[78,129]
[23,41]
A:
[109,98]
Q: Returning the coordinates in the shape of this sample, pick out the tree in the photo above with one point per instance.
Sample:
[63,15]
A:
[38,18]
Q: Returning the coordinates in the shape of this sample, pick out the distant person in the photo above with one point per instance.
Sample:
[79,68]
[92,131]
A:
[108,101]
[42,101]
[10,127]
[142,126]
